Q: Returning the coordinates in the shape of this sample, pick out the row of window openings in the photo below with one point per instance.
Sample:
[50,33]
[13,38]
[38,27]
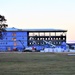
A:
[46,38]
[46,34]
[15,43]
[14,34]
[14,38]
[43,43]
[4,43]
[17,36]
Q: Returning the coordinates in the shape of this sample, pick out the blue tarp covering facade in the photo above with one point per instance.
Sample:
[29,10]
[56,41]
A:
[15,38]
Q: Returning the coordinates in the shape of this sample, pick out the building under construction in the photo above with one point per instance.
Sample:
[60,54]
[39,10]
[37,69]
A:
[13,39]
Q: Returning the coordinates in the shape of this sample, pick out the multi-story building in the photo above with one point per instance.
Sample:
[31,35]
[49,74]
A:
[19,39]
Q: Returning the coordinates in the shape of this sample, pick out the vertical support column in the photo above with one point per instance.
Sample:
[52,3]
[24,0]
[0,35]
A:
[28,38]
[50,35]
[33,33]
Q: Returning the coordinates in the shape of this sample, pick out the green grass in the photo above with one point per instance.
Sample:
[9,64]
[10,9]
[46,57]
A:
[36,64]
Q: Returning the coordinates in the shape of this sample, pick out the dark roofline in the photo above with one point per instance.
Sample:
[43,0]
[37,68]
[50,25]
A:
[36,31]
[39,30]
[46,30]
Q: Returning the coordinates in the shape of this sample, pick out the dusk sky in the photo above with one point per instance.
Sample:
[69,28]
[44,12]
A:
[58,14]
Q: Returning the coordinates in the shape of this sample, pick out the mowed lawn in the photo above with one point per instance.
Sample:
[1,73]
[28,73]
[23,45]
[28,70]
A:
[36,64]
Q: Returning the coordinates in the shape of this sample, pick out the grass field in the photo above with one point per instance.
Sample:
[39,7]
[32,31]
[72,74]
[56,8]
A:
[36,64]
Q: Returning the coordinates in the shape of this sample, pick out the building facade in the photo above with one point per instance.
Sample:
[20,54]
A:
[19,39]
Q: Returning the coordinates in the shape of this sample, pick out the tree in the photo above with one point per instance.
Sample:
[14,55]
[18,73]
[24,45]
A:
[2,25]
[2,22]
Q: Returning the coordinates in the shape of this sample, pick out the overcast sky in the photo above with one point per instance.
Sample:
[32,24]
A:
[58,14]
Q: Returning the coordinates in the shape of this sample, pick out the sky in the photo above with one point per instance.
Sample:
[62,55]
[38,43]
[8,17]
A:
[58,14]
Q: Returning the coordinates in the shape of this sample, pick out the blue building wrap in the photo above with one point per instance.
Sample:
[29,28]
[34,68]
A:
[14,39]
